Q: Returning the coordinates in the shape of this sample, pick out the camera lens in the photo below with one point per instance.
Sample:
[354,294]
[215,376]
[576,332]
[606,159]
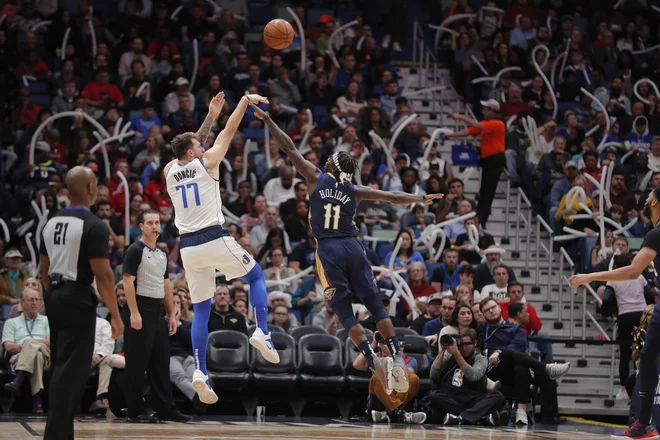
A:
[446,340]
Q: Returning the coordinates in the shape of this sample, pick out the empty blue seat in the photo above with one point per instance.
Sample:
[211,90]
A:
[253,133]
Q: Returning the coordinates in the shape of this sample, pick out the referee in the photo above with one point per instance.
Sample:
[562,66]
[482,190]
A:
[74,250]
[146,342]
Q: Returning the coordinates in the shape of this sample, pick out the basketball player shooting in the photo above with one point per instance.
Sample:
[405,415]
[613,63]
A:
[648,364]
[193,185]
[341,262]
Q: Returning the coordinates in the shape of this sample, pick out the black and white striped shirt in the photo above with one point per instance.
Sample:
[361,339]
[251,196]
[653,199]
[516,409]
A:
[149,267]
[70,239]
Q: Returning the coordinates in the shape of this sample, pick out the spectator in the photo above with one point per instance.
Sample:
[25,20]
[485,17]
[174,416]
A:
[465,400]
[12,278]
[136,53]
[296,225]
[187,314]
[223,316]
[620,195]
[434,326]
[469,253]
[100,94]
[484,272]
[454,230]
[465,294]
[564,212]
[309,296]
[241,306]
[26,113]
[276,299]
[432,311]
[498,289]
[27,341]
[278,270]
[257,214]
[304,254]
[104,359]
[385,407]
[281,318]
[173,99]
[147,119]
[327,320]
[369,323]
[514,104]
[416,276]
[407,253]
[448,270]
[284,89]
[30,283]
[64,102]
[281,189]
[351,102]
[259,233]
[288,207]
[492,132]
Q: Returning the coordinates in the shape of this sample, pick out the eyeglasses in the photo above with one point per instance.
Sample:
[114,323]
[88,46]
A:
[280,313]
[490,309]
[32,300]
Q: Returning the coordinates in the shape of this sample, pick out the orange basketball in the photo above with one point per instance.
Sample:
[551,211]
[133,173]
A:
[278,34]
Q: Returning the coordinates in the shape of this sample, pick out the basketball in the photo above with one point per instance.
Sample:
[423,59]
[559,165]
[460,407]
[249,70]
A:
[278,34]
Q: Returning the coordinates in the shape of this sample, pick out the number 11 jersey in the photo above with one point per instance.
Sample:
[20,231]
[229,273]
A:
[195,196]
[332,208]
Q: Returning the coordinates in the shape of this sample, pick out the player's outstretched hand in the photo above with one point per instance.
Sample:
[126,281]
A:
[216,104]
[579,279]
[258,112]
[431,197]
[256,99]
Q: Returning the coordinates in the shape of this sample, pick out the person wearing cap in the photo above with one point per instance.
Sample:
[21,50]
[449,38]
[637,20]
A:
[172,99]
[223,316]
[277,298]
[148,118]
[639,139]
[447,306]
[492,131]
[484,272]
[136,53]
[12,278]
[433,309]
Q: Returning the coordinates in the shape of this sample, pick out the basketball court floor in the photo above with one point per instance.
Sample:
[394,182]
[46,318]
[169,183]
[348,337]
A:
[217,428]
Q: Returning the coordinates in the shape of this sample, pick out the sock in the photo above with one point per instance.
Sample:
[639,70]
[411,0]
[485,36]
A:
[18,380]
[258,296]
[367,352]
[393,345]
[200,333]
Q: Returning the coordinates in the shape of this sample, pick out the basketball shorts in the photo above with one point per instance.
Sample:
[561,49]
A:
[343,267]
[207,250]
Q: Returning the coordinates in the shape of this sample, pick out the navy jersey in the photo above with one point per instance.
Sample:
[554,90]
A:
[332,208]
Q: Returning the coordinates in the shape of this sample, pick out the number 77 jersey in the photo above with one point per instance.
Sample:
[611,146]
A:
[332,208]
[195,196]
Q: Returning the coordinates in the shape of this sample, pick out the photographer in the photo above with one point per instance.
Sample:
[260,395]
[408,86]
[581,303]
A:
[459,383]
[394,404]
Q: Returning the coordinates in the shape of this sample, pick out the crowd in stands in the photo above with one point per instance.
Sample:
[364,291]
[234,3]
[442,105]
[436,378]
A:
[468,293]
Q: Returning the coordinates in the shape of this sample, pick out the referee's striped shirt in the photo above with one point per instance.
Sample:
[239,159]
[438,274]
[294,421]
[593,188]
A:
[149,267]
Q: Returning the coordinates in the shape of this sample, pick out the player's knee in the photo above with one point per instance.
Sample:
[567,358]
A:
[254,275]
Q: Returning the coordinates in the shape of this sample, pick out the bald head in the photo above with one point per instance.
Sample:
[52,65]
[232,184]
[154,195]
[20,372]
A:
[81,183]
[286,175]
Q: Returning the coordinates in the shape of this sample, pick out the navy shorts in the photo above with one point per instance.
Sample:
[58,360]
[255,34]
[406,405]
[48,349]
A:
[343,267]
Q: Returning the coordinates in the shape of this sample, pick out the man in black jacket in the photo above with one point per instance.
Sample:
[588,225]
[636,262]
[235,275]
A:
[223,316]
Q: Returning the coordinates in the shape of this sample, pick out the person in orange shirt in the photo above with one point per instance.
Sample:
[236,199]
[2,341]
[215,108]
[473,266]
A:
[492,131]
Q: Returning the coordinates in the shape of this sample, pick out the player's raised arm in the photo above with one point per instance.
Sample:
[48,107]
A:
[307,169]
[214,155]
[641,261]
[396,197]
[215,108]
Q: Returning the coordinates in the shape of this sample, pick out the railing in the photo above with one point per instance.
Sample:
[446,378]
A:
[548,251]
[564,258]
[528,227]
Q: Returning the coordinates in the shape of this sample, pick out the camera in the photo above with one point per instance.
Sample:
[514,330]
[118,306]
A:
[448,340]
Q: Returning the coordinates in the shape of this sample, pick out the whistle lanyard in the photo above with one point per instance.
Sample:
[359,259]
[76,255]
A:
[27,327]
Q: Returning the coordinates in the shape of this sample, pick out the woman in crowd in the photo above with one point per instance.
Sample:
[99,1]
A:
[352,101]
[241,306]
[276,269]
[406,255]
[256,216]
[565,212]
[275,238]
[280,318]
[296,225]
[184,299]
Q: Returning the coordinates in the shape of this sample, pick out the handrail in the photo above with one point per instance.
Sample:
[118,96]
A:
[593,293]
[544,224]
[548,250]
[564,258]
[288,280]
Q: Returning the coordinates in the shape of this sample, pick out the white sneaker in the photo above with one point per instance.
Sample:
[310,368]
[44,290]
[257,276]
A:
[521,417]
[264,344]
[205,392]
[386,41]
[556,370]
[399,376]
[380,417]
[396,47]
[622,394]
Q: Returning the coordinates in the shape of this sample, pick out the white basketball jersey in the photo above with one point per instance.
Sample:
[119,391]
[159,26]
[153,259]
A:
[195,196]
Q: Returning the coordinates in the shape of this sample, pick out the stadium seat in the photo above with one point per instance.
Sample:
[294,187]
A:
[405,332]
[342,334]
[320,364]
[253,133]
[430,267]
[271,329]
[280,377]
[416,347]
[228,360]
[301,331]
[356,380]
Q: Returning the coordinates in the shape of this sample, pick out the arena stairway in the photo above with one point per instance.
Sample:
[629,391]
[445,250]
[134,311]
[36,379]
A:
[585,390]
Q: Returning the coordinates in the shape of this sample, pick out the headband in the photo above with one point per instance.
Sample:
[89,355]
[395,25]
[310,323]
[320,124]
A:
[343,177]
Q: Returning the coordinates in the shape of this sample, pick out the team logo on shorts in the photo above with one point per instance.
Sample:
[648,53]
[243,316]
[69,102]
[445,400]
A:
[330,293]
[246,259]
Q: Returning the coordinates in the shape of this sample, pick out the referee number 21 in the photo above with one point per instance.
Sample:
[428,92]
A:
[59,237]
[184,195]
[332,216]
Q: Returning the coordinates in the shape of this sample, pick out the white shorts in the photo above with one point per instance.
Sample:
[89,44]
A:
[201,261]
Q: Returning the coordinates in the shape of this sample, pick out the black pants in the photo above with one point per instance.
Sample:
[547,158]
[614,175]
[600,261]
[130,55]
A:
[471,409]
[491,169]
[513,372]
[548,391]
[147,350]
[624,334]
[71,311]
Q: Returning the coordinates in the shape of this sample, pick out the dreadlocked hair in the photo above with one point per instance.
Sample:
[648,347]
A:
[347,166]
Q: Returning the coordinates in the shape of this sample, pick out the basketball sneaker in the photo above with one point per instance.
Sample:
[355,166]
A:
[383,371]
[556,370]
[399,375]
[201,386]
[637,431]
[264,344]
